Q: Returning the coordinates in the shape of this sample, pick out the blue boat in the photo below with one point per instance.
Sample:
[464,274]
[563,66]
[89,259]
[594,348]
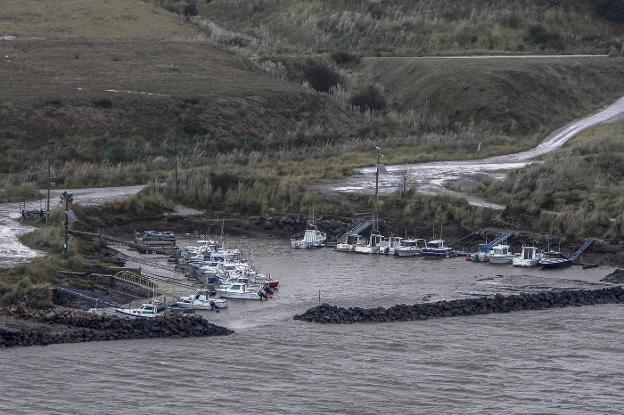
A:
[436,248]
[554,259]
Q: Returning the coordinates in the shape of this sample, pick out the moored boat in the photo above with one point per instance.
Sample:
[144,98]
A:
[410,247]
[372,246]
[553,259]
[145,311]
[239,291]
[202,300]
[529,257]
[436,248]
[349,244]
[500,254]
[389,244]
[312,238]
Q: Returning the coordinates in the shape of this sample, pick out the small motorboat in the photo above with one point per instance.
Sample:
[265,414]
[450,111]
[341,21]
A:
[553,259]
[202,300]
[312,238]
[145,311]
[372,247]
[436,248]
[410,247]
[239,291]
[529,257]
[349,244]
[388,245]
[500,254]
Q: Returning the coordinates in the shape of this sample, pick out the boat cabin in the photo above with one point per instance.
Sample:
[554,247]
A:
[436,244]
[500,250]
[529,252]
[413,243]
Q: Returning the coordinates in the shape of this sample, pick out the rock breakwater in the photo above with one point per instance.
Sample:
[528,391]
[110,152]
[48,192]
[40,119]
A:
[328,314]
[25,327]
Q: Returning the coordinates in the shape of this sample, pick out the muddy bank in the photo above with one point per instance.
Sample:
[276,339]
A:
[20,326]
[327,314]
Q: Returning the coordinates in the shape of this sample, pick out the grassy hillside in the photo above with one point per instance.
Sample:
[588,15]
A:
[577,190]
[113,19]
[514,103]
[412,27]
[111,80]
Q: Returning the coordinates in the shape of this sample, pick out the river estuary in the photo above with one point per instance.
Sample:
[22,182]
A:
[553,361]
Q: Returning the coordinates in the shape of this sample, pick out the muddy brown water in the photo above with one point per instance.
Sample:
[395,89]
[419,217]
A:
[553,361]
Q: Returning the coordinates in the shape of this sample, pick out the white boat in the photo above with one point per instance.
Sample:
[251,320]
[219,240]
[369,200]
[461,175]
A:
[238,291]
[410,247]
[389,244]
[372,247]
[312,238]
[500,254]
[349,244]
[529,257]
[145,311]
[201,300]
[436,248]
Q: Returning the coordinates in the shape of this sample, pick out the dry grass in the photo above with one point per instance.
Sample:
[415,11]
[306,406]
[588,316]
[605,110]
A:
[113,19]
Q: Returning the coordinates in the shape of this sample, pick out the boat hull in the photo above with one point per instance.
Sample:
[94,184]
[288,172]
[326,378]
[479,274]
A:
[407,253]
[560,263]
[435,253]
[500,260]
[527,263]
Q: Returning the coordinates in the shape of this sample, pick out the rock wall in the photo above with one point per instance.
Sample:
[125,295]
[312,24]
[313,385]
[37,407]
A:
[499,303]
[49,326]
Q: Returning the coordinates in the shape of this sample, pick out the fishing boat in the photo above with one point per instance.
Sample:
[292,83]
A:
[529,257]
[500,254]
[554,259]
[349,244]
[410,247]
[312,238]
[436,248]
[388,245]
[202,300]
[372,246]
[239,291]
[145,311]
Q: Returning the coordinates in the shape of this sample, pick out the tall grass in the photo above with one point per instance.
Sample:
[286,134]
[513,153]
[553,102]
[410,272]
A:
[576,191]
[424,26]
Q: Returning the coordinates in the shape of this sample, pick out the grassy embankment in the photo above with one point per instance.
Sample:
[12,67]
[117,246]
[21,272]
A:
[248,140]
[576,191]
[421,27]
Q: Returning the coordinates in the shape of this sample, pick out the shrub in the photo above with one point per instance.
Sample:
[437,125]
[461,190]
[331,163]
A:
[369,99]
[321,77]
[190,10]
[342,57]
[538,35]
[103,103]
[611,10]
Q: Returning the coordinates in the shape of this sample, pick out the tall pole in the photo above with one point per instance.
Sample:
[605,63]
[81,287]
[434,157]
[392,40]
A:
[175,168]
[66,244]
[48,193]
[377,174]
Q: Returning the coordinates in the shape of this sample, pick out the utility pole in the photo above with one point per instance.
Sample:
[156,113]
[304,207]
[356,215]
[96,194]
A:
[175,167]
[68,198]
[48,193]
[377,174]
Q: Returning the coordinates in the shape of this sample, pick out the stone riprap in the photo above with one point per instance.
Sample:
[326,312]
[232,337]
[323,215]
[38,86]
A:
[328,314]
[27,327]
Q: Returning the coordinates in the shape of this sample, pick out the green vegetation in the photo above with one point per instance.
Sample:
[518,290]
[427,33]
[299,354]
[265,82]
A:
[577,191]
[417,27]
